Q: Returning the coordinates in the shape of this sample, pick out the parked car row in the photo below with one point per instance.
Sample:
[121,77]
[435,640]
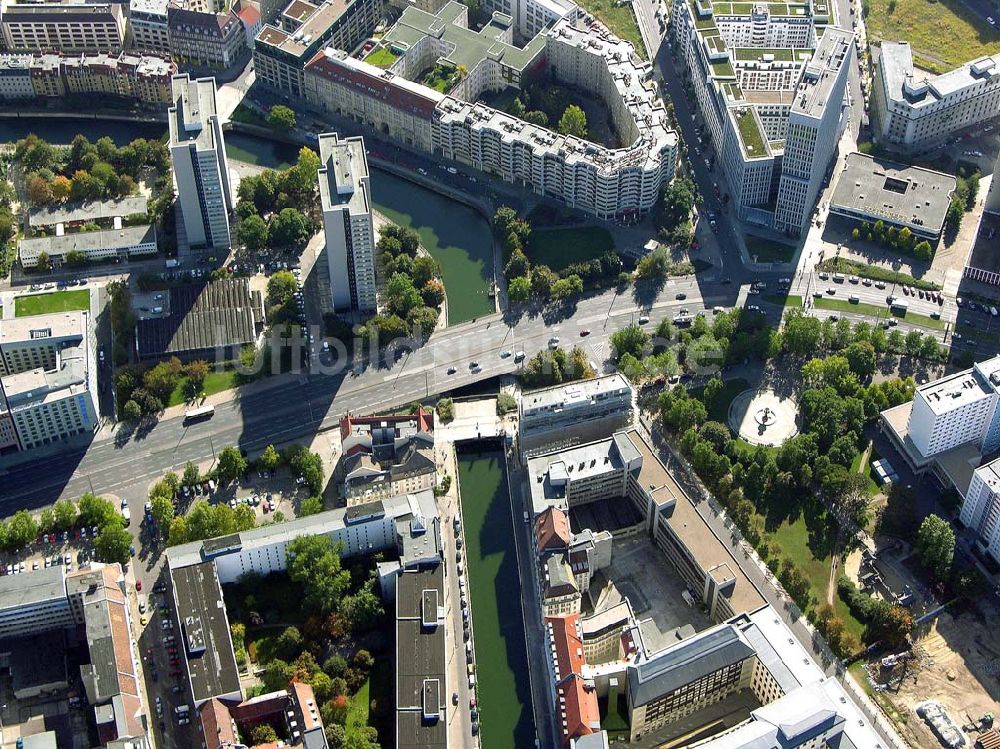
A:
[463,595]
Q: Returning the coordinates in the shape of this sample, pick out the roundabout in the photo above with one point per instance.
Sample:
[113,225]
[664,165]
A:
[762,417]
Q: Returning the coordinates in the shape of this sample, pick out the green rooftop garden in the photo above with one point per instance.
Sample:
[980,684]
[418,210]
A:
[382,57]
[442,77]
[723,69]
[786,54]
[750,134]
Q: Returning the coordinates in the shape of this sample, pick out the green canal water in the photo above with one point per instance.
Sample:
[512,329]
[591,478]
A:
[495,588]
[455,235]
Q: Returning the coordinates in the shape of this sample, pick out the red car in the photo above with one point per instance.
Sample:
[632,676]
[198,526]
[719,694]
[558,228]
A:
[138,584]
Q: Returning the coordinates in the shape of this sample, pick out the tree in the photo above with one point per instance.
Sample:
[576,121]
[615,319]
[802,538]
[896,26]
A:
[43,263]
[232,464]
[98,511]
[537,117]
[281,288]
[519,289]
[432,293]
[629,340]
[244,518]
[252,233]
[542,280]
[281,119]
[178,531]
[861,358]
[517,265]
[39,191]
[113,544]
[311,506]
[191,475]
[162,510]
[288,229]
[402,295]
[573,122]
[922,250]
[955,214]
[677,204]
[269,459]
[424,269]
[564,288]
[935,546]
[445,410]
[289,644]
[314,563]
[263,733]
[65,514]
[21,530]
[308,466]
[802,333]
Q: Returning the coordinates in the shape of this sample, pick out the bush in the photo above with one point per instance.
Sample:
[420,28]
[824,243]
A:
[446,410]
[506,403]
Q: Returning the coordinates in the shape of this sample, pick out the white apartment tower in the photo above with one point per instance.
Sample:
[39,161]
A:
[345,193]
[201,170]
[981,508]
[815,125]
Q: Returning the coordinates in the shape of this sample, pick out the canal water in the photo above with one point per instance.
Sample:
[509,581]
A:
[455,235]
[495,588]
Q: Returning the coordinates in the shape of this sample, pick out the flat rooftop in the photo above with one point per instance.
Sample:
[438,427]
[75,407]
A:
[819,79]
[84,241]
[32,587]
[192,110]
[41,327]
[204,632]
[900,194]
[343,173]
[575,393]
[954,391]
[918,90]
[314,25]
[88,210]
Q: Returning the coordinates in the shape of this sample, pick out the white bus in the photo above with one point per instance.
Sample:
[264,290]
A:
[198,414]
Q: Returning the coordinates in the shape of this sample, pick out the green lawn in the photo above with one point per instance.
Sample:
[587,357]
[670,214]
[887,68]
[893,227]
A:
[866,470]
[768,250]
[215,382]
[382,57]
[613,719]
[357,713]
[750,134]
[261,642]
[558,248]
[943,34]
[620,19]
[57,301]
[874,310]
[792,300]
[720,406]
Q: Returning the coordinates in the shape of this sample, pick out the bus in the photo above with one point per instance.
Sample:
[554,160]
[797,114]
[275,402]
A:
[198,414]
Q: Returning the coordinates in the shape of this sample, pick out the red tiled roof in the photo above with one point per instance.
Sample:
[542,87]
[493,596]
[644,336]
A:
[250,15]
[216,724]
[371,86]
[578,701]
[552,530]
[565,633]
[303,694]
[424,418]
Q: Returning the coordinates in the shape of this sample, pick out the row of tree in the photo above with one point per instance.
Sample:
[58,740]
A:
[902,240]
[146,391]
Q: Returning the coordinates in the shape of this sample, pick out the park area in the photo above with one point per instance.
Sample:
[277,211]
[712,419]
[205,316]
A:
[57,301]
[943,35]
[559,248]
[620,19]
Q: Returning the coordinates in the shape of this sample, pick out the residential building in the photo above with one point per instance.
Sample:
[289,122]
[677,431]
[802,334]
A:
[34,602]
[213,322]
[143,80]
[870,189]
[75,214]
[981,508]
[119,244]
[579,713]
[63,27]
[48,391]
[384,456]
[281,52]
[568,414]
[345,196]
[767,85]
[532,17]
[34,342]
[15,77]
[422,690]
[295,708]
[252,23]
[625,466]
[148,27]
[815,123]
[912,110]
[214,40]
[200,166]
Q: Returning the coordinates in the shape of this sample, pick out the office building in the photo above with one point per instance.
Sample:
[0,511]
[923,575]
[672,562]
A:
[200,166]
[284,45]
[981,508]
[49,389]
[75,214]
[64,28]
[422,691]
[580,411]
[34,602]
[119,244]
[15,77]
[149,31]
[870,189]
[770,80]
[815,123]
[345,196]
[384,456]
[214,40]
[912,111]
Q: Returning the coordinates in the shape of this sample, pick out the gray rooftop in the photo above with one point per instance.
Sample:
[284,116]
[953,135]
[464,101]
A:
[343,176]
[903,195]
[192,110]
[32,587]
[819,77]
[575,393]
[686,662]
[55,325]
[422,691]
[87,210]
[918,90]
[204,632]
[116,239]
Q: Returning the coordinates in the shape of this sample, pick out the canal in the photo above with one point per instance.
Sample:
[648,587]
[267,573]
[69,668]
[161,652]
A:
[495,589]
[454,234]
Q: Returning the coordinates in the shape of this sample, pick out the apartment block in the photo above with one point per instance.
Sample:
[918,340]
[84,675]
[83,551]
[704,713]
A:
[981,508]
[35,602]
[580,411]
[282,51]
[148,27]
[770,81]
[913,111]
[15,77]
[215,40]
[28,343]
[345,196]
[63,27]
[97,246]
[200,165]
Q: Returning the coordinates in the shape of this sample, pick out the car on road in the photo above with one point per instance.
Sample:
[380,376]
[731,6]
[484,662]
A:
[680,295]
[473,365]
[831,291]
[553,342]
[505,353]
[585,332]
[753,290]
[991,20]
[643,319]
[143,621]
[452,370]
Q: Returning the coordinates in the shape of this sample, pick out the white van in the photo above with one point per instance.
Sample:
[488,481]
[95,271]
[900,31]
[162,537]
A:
[157,310]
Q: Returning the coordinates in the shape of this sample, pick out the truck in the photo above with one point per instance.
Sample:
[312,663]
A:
[198,414]
[173,262]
